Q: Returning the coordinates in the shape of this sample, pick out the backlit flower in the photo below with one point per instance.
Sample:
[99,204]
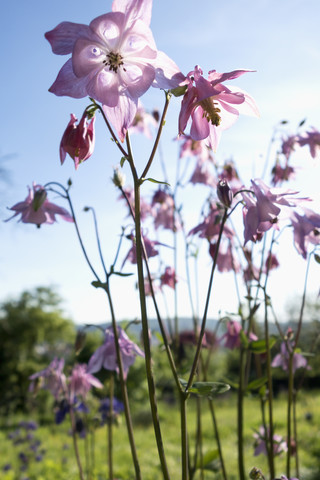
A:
[51,378]
[37,209]
[306,230]
[213,106]
[169,277]
[78,140]
[282,359]
[312,139]
[106,357]
[114,60]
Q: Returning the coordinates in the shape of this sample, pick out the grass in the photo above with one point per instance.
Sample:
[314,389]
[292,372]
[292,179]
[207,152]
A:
[59,462]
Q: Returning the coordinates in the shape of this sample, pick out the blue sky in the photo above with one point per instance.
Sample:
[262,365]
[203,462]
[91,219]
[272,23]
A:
[278,39]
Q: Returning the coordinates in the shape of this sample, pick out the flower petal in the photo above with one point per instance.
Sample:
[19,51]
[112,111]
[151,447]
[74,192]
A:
[168,75]
[63,37]
[134,9]
[122,115]
[68,84]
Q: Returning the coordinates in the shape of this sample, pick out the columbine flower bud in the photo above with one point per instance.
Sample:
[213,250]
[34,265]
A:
[256,474]
[78,140]
[118,178]
[224,193]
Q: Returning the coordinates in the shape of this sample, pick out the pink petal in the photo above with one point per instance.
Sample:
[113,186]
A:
[68,84]
[138,79]
[134,9]
[122,115]
[87,57]
[215,77]
[109,28]
[104,88]
[200,126]
[63,37]
[168,75]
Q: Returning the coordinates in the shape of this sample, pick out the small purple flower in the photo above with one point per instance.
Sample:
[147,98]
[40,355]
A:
[169,278]
[81,381]
[282,359]
[51,378]
[232,337]
[202,175]
[279,444]
[288,145]
[104,409]
[306,229]
[37,209]
[105,356]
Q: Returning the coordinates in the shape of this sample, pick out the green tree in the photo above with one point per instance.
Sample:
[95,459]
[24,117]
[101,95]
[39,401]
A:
[33,330]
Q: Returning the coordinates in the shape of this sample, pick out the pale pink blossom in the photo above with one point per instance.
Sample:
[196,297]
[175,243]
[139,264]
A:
[226,261]
[37,209]
[51,378]
[279,444]
[202,175]
[150,245]
[312,139]
[114,60]
[231,338]
[78,140]
[281,174]
[164,211]
[213,106]
[145,207]
[306,230]
[211,225]
[195,148]
[106,357]
[282,359]
[272,262]
[80,382]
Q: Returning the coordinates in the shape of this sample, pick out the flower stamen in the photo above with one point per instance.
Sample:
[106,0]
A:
[113,61]
[211,111]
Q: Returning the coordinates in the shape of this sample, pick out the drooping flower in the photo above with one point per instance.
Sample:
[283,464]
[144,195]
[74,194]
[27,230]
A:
[195,148]
[306,229]
[282,359]
[114,60]
[282,174]
[81,381]
[51,378]
[279,444]
[261,210]
[169,278]
[128,195]
[213,106]
[226,261]
[231,338]
[37,209]
[78,140]
[210,227]
[312,139]
[105,409]
[149,246]
[271,262]
[164,211]
[288,145]
[106,357]
[203,175]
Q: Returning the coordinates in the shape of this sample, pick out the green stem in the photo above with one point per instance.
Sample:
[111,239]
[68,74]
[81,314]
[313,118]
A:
[144,319]
[295,432]
[240,415]
[110,428]
[289,408]
[184,437]
[75,443]
[216,431]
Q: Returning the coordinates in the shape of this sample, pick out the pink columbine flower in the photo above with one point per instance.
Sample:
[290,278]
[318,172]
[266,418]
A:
[78,140]
[306,229]
[169,278]
[312,139]
[232,336]
[164,211]
[261,210]
[271,263]
[51,378]
[81,381]
[226,261]
[149,246]
[114,60]
[281,360]
[105,356]
[210,227]
[288,144]
[37,209]
[213,106]
[282,174]
[195,148]
[279,444]
[202,175]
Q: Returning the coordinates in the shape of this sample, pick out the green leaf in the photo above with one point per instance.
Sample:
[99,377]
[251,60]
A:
[123,159]
[153,180]
[207,458]
[179,91]
[259,346]
[317,258]
[207,389]
[257,384]
[98,284]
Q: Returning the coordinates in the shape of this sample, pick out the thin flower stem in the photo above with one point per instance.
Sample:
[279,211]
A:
[303,302]
[295,433]
[123,385]
[98,239]
[204,318]
[241,466]
[156,143]
[144,318]
[110,428]
[75,443]
[289,409]
[216,431]
[184,437]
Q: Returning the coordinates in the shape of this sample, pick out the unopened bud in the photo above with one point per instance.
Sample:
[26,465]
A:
[118,178]
[256,474]
[224,193]
[156,115]
[40,197]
